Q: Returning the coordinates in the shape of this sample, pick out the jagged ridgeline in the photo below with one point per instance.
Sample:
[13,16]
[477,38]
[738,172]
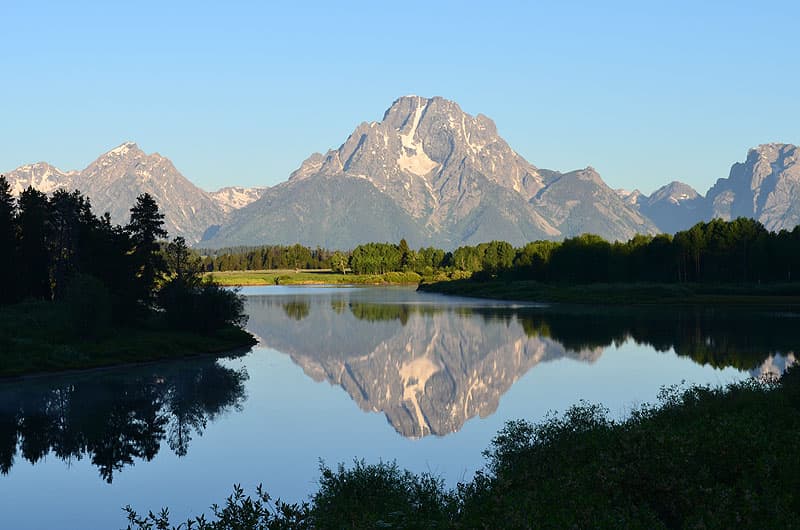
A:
[432,174]
[435,175]
[116,178]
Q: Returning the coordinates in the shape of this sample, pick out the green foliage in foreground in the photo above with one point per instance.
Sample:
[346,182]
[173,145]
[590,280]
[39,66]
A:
[700,458]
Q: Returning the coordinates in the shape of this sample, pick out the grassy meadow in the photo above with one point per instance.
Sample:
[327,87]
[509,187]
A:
[311,277]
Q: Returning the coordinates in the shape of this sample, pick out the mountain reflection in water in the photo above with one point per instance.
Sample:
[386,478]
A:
[114,416]
[429,368]
[428,363]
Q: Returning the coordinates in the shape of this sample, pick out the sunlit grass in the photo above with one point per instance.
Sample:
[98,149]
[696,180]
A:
[311,277]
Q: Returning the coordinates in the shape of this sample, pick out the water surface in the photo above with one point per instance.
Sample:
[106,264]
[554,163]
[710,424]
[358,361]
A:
[343,373]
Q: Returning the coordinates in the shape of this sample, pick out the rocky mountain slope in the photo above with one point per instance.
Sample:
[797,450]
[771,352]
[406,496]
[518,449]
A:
[234,197]
[439,176]
[42,176]
[674,207]
[766,187]
[579,201]
[117,177]
[432,174]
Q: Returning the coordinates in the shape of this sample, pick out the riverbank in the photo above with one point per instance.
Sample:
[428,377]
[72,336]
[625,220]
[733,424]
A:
[36,337]
[699,458]
[311,277]
[783,295]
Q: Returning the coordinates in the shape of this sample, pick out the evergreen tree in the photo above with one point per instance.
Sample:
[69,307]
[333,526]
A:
[65,222]
[8,251]
[33,252]
[183,263]
[145,229]
[405,255]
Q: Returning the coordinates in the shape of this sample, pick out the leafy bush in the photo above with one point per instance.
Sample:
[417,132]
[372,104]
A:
[380,496]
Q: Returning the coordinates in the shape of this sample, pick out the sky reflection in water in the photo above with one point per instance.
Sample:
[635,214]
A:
[340,374]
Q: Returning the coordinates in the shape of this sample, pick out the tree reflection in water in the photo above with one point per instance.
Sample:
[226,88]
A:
[116,416]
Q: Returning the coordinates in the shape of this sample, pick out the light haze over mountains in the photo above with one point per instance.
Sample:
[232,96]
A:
[432,174]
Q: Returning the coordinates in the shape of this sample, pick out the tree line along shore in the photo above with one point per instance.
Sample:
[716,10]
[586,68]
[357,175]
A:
[712,262]
[81,292]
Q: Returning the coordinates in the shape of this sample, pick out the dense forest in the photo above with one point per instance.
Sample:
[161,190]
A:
[55,249]
[740,251]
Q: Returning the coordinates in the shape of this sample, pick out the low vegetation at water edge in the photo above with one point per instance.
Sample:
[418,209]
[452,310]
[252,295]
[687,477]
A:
[700,458]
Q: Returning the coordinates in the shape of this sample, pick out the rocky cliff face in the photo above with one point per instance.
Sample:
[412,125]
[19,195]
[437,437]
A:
[766,187]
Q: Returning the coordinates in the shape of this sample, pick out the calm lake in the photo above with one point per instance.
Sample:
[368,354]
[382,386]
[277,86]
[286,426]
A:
[343,373]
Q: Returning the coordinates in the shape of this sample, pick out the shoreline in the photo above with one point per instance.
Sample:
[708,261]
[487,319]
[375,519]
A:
[32,376]
[31,350]
[623,294]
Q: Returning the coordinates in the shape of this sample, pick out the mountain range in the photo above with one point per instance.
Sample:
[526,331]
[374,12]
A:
[117,177]
[432,174]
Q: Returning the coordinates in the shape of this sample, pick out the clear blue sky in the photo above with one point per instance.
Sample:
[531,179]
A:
[242,92]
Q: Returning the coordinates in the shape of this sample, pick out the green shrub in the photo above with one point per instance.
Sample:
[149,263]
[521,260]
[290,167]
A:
[380,496]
